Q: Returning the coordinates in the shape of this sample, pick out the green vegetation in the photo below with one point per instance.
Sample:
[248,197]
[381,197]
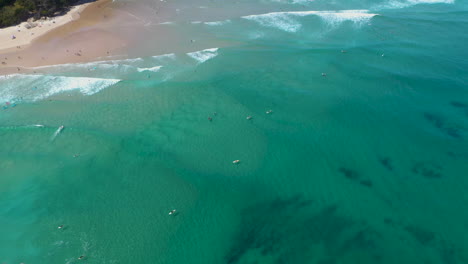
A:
[13,12]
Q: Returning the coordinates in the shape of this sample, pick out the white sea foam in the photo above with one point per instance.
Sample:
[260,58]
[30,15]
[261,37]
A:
[38,87]
[153,69]
[87,86]
[217,23]
[7,77]
[288,21]
[90,65]
[279,20]
[203,55]
[123,61]
[397,4]
[164,58]
[356,16]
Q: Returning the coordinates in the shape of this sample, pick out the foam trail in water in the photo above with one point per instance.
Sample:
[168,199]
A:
[56,133]
[287,21]
[203,55]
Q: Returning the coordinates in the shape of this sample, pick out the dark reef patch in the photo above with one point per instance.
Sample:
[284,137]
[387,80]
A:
[448,253]
[458,104]
[442,124]
[428,170]
[285,231]
[350,174]
[387,163]
[364,238]
[355,177]
[452,154]
[423,236]
[366,183]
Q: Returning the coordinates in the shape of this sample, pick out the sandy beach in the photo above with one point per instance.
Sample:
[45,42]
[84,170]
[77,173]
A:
[26,32]
[87,32]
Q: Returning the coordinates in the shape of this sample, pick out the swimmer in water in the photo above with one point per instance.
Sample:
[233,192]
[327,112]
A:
[60,227]
[249,117]
[324,74]
[81,257]
[210,119]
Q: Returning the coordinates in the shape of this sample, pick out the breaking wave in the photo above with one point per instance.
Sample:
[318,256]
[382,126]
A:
[56,79]
[22,87]
[217,23]
[287,21]
[396,4]
[203,55]
[153,69]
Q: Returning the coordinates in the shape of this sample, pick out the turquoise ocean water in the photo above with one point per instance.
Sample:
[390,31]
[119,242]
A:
[367,164]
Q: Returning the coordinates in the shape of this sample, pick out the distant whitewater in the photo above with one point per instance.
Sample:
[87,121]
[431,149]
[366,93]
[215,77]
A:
[288,21]
[90,78]
[203,55]
[22,87]
[397,4]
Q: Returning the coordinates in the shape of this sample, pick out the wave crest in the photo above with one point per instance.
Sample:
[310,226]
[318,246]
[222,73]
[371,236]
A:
[203,55]
[37,87]
[287,21]
[396,4]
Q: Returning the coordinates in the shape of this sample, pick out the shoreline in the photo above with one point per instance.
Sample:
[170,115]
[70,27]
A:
[83,34]
[27,32]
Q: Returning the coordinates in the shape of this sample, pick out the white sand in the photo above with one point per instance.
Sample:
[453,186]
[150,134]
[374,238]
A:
[24,36]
